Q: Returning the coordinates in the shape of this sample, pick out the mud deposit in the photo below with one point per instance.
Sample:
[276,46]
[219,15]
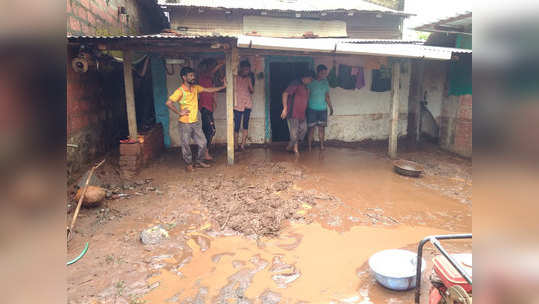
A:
[249,206]
[270,229]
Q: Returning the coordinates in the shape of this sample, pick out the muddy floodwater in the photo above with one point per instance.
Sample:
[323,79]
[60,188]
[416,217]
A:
[273,228]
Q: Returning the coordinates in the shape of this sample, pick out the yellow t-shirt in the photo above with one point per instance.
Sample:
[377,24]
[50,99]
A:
[187,100]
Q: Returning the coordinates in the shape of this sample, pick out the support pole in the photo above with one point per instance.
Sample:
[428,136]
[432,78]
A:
[130,94]
[394,127]
[420,95]
[231,72]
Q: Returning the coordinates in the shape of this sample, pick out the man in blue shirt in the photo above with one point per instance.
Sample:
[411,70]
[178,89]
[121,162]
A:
[317,114]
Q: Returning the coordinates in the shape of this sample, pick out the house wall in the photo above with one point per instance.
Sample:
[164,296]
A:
[100,17]
[363,114]
[95,113]
[95,100]
[256,123]
[365,25]
[453,114]
[368,26]
[359,114]
[456,125]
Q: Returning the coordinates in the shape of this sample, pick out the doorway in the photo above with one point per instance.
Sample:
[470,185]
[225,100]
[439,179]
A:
[281,74]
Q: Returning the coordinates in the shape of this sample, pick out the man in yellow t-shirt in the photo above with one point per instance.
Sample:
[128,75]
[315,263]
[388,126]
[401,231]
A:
[189,121]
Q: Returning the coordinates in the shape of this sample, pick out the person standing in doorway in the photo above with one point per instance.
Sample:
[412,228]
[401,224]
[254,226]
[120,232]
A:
[319,101]
[295,100]
[206,103]
[243,103]
[189,117]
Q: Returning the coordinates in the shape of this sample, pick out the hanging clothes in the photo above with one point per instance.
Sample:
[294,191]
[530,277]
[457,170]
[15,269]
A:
[346,81]
[380,81]
[332,77]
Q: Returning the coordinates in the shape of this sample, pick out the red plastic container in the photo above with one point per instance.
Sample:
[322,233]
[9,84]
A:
[449,275]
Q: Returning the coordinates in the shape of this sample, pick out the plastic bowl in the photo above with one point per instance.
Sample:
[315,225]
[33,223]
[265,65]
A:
[395,268]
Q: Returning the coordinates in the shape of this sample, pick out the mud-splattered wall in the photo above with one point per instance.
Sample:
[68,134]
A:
[363,114]
[256,123]
[359,114]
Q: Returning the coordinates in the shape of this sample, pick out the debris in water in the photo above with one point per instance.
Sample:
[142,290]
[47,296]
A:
[153,235]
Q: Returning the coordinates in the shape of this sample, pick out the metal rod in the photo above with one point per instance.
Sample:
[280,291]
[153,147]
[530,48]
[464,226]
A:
[434,239]
[452,261]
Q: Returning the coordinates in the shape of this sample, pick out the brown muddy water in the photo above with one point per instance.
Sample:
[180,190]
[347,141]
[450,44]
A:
[351,204]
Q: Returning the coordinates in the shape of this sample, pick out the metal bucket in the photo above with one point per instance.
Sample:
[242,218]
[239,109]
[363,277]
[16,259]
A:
[408,168]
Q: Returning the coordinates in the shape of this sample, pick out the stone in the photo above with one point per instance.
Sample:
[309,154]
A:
[153,235]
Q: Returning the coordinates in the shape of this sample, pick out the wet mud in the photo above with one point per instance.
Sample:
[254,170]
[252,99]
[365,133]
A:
[271,229]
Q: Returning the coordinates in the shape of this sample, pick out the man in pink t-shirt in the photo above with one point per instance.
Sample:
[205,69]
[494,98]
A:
[295,100]
[243,102]
[206,101]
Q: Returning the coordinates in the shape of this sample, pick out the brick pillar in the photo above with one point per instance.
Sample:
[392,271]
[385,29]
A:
[130,159]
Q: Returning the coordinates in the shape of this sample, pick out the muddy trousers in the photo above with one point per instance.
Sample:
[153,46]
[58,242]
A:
[208,125]
[298,129]
[188,132]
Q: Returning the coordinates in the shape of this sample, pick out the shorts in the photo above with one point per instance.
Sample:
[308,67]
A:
[246,114]
[317,118]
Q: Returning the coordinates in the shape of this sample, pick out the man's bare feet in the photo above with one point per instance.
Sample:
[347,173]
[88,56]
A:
[189,168]
[207,156]
[202,165]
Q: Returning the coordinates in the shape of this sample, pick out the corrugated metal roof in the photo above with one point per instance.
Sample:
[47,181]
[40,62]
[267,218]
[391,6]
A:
[394,48]
[458,21]
[283,5]
[399,50]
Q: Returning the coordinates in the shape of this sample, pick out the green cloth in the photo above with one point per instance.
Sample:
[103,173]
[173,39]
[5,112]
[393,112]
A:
[317,94]
[460,76]
[332,77]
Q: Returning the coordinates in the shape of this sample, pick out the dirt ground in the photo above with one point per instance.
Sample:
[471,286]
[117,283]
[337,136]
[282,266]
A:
[272,228]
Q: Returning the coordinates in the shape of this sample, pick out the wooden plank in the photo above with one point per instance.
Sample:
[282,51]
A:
[231,72]
[130,95]
[394,127]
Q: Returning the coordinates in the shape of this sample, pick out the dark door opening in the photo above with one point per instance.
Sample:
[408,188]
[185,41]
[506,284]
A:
[281,74]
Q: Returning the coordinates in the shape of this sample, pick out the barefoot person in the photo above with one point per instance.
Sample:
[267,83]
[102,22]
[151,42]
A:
[317,115]
[189,116]
[243,103]
[206,102]
[295,99]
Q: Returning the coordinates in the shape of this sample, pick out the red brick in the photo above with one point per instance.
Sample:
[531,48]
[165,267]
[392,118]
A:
[74,24]
[80,12]
[85,3]
[91,19]
[85,29]
[79,122]
[129,149]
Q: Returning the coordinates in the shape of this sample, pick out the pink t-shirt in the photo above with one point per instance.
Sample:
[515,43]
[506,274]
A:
[205,99]
[244,99]
[298,97]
